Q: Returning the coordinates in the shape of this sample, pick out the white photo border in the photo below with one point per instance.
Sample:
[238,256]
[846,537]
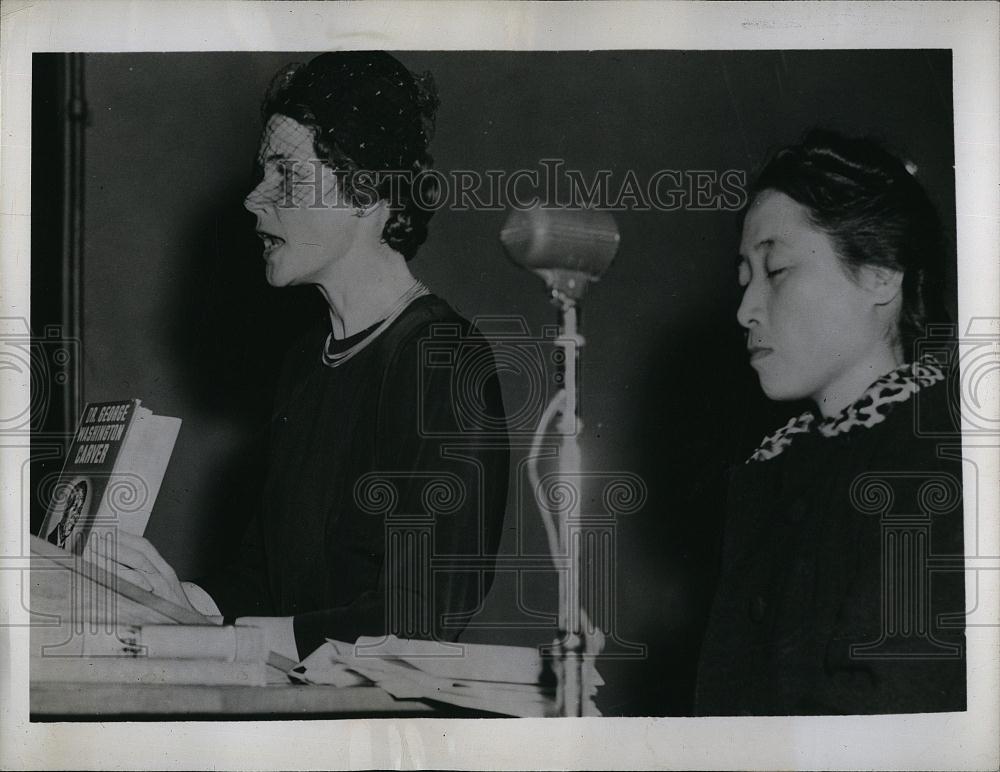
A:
[931,741]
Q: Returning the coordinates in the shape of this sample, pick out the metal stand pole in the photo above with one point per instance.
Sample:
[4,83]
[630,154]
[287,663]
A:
[573,691]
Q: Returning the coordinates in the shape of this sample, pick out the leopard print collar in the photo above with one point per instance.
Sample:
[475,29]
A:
[870,409]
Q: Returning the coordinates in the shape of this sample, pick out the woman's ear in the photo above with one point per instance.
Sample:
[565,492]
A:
[885,284]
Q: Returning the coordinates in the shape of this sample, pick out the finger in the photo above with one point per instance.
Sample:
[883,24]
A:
[139,554]
[135,543]
[161,586]
[162,565]
[149,580]
[133,558]
[146,547]
[137,568]
[133,577]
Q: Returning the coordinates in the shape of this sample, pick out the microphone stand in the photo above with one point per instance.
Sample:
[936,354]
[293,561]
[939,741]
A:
[569,249]
[573,690]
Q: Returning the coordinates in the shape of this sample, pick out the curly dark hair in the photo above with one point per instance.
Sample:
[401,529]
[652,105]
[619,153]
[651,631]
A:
[372,120]
[876,213]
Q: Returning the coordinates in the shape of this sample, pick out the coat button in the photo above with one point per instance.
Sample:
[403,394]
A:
[758,606]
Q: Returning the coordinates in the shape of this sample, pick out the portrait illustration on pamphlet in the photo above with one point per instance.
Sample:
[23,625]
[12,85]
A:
[69,523]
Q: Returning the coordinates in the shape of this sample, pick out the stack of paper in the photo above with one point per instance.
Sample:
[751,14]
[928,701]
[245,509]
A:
[510,680]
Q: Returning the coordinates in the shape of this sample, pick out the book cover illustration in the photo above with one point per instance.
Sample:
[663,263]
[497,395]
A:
[71,509]
[112,473]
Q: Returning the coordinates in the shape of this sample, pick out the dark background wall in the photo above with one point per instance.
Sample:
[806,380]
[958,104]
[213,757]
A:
[176,310]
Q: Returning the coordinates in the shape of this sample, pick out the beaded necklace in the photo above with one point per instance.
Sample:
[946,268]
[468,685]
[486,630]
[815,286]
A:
[331,359]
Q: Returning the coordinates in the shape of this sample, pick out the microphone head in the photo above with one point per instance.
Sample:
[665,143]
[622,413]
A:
[568,248]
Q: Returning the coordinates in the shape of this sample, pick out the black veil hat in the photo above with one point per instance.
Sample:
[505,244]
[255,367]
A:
[364,105]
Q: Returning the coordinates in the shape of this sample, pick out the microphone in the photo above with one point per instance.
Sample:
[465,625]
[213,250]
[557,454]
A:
[568,248]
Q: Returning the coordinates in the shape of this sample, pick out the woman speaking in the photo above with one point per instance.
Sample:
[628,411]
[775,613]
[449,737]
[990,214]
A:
[388,448]
[841,588]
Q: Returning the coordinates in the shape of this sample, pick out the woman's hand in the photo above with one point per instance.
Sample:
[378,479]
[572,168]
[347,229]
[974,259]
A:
[137,561]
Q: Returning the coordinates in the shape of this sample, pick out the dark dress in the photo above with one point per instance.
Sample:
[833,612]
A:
[842,585]
[383,474]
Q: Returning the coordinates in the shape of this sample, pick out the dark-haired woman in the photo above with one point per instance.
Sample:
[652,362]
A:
[384,464]
[841,589]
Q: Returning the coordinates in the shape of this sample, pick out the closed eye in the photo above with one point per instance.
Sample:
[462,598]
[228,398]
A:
[776,272]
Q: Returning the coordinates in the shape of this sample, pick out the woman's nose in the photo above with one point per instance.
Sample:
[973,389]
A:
[255,200]
[749,311]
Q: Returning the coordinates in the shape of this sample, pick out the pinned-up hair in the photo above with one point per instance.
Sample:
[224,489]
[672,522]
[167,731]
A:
[370,116]
[876,212]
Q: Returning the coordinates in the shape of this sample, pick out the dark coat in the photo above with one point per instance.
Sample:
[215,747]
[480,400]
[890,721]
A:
[382,472]
[841,562]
